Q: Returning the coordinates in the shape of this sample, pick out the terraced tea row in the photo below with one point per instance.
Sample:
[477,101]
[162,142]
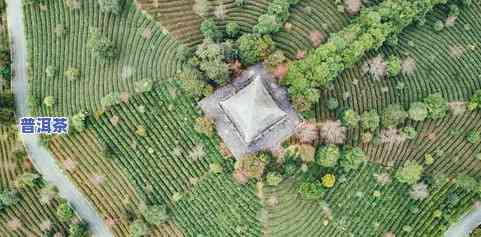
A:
[443,62]
[58,43]
[25,214]
[360,205]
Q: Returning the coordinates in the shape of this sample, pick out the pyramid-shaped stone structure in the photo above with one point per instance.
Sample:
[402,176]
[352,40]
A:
[252,110]
[252,113]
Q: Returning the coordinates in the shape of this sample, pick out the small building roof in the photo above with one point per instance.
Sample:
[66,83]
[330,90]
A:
[252,110]
[252,113]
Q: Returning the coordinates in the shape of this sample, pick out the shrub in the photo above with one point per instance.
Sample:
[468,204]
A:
[419,191]
[438,25]
[216,168]
[78,121]
[467,183]
[252,48]
[473,137]
[351,118]
[111,6]
[110,100]
[409,132]
[27,180]
[437,106]
[410,173]
[143,86]
[332,104]
[204,125]
[183,53]
[352,158]
[370,120]
[51,71]
[209,29]
[418,111]
[393,115]
[232,29]
[102,48]
[155,214]
[273,179]
[201,7]
[328,156]
[65,212]
[139,228]
[240,3]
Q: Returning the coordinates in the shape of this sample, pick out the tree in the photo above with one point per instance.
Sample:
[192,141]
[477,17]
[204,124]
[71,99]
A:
[438,25]
[475,101]
[437,106]
[139,228]
[232,29]
[208,28]
[27,180]
[370,120]
[65,212]
[332,132]
[111,6]
[393,115]
[267,24]
[192,82]
[72,73]
[419,191]
[473,137]
[155,214]
[352,158]
[273,179]
[78,230]
[311,191]
[410,173]
[328,156]
[275,59]
[78,121]
[8,198]
[328,180]
[183,53]
[409,132]
[351,118]
[252,48]
[418,111]
[211,61]
[102,48]
[201,7]
[393,66]
[49,101]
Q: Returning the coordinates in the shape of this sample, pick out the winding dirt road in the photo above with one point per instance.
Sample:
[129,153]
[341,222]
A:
[41,158]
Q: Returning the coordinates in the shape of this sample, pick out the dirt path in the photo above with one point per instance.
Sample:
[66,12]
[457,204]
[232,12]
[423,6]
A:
[41,158]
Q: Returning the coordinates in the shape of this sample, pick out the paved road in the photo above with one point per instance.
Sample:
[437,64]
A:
[466,225]
[41,158]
